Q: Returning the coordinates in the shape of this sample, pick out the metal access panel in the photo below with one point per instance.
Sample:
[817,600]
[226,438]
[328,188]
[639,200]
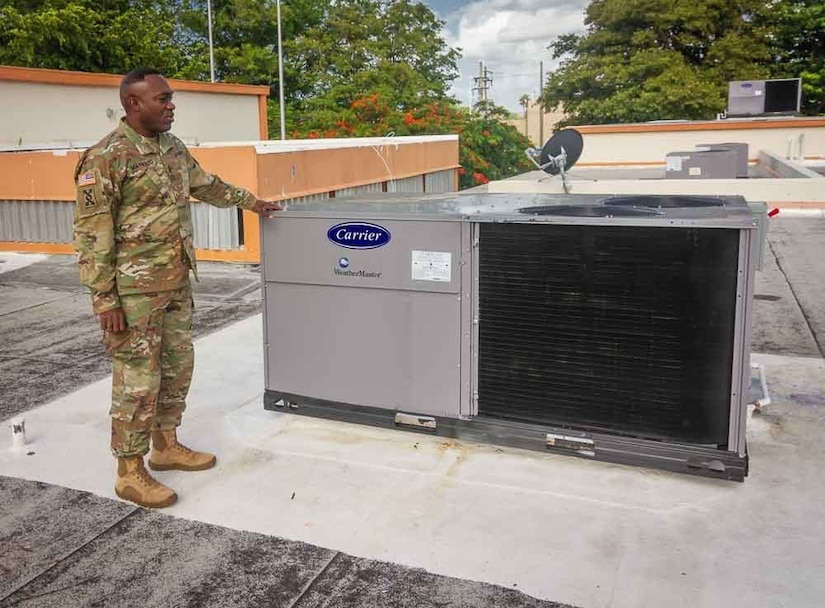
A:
[374,326]
[746,97]
[698,164]
[739,148]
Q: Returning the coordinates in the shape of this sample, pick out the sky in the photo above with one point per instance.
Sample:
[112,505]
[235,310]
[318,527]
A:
[510,37]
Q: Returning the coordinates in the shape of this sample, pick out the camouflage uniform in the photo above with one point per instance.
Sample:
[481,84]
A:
[133,236]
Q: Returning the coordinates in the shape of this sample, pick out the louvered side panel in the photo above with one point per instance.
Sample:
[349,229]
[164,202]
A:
[366,189]
[409,184]
[440,181]
[215,228]
[36,221]
[303,200]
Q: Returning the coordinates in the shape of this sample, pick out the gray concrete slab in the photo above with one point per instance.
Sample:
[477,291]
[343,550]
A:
[41,525]
[61,330]
[564,529]
[150,559]
[22,297]
[51,344]
[98,552]
[350,581]
[798,246]
[779,326]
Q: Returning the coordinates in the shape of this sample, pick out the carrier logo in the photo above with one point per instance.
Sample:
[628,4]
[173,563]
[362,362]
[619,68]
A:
[359,235]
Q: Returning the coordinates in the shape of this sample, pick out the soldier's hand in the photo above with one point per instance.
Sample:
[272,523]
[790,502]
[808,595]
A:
[112,320]
[267,208]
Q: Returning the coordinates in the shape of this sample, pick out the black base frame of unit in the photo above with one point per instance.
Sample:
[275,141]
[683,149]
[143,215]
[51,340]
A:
[681,458]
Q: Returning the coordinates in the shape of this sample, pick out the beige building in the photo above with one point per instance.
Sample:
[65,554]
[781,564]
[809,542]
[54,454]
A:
[55,108]
[536,124]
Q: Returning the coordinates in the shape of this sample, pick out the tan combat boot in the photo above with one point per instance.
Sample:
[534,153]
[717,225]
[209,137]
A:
[168,454]
[136,485]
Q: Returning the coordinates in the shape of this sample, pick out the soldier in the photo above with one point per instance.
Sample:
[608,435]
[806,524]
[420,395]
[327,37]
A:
[133,236]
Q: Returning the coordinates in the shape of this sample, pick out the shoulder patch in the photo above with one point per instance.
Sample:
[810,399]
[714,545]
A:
[90,196]
[86,179]
[89,199]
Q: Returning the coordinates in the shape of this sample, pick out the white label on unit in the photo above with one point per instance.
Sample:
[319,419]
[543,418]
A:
[432,266]
[695,171]
[674,163]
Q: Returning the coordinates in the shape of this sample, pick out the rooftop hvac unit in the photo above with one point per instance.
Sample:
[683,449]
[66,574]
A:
[702,164]
[740,150]
[609,328]
[757,97]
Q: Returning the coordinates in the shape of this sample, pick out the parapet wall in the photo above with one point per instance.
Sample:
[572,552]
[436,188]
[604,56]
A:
[649,143]
[37,189]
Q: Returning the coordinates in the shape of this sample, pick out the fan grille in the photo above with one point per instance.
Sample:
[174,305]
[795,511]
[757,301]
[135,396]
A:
[625,330]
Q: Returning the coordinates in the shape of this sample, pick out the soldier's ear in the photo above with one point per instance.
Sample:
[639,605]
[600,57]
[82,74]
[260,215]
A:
[132,102]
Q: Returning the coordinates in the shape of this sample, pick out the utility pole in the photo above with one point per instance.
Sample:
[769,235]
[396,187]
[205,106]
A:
[541,103]
[281,108]
[482,83]
[211,49]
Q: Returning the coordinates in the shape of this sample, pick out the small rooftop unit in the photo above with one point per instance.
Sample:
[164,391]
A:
[610,328]
[760,97]
[709,161]
[701,164]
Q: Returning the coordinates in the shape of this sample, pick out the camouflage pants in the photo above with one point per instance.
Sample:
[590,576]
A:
[152,365]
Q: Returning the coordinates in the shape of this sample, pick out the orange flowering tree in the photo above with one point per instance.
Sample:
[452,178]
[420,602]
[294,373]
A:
[489,148]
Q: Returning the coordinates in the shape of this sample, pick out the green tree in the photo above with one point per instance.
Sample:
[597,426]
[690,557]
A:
[244,36]
[393,48]
[658,59]
[92,36]
[798,47]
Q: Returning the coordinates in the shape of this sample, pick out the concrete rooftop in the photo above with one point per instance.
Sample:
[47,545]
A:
[303,512]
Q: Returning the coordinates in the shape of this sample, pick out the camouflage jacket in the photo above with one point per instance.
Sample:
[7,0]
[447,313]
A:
[133,225]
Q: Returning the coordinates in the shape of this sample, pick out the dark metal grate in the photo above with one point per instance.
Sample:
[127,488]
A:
[620,329]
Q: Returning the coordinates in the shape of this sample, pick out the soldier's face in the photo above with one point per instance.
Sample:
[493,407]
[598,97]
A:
[151,104]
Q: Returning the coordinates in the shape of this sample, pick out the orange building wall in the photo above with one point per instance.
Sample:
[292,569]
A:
[47,175]
[306,172]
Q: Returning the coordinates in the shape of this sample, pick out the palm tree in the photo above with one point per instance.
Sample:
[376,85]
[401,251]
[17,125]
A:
[524,100]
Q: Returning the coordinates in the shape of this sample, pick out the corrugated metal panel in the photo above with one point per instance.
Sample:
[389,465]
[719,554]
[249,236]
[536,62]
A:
[215,228]
[440,181]
[36,221]
[312,198]
[51,222]
[367,189]
[410,184]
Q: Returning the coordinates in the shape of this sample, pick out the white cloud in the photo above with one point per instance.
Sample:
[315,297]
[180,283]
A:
[511,38]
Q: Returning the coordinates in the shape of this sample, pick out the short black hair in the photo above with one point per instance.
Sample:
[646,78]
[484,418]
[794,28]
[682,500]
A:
[136,75]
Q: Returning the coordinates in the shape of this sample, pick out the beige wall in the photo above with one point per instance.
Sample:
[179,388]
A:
[775,191]
[626,146]
[33,114]
[650,143]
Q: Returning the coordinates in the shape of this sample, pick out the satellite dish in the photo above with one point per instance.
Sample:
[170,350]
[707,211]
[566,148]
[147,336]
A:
[558,154]
[561,151]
